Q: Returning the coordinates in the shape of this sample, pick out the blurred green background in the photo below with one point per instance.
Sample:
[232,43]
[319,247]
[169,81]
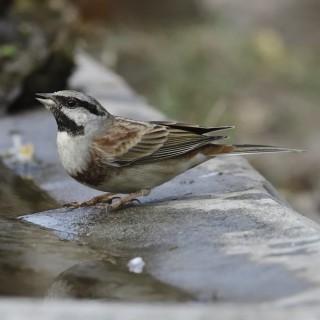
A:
[253,64]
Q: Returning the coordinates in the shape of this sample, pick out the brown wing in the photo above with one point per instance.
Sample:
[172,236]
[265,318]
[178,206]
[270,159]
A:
[143,142]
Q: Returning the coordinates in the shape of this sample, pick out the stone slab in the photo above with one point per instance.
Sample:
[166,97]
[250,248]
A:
[224,237]
[83,310]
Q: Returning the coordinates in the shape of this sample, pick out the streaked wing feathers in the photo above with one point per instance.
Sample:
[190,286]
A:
[129,140]
[137,142]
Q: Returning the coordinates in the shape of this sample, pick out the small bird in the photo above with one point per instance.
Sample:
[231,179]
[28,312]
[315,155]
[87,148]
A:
[122,156]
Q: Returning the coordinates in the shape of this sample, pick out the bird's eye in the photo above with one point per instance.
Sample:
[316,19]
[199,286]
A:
[71,103]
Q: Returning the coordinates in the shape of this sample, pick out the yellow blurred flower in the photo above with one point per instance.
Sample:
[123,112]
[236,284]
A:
[26,153]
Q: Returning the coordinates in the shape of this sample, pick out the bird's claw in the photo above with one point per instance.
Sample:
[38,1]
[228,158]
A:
[109,201]
[72,205]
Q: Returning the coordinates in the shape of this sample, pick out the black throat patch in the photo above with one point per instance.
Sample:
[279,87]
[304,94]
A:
[65,124]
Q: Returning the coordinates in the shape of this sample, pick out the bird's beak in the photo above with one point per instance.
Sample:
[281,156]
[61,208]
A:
[47,99]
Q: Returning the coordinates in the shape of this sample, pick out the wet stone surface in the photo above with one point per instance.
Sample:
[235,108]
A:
[221,245]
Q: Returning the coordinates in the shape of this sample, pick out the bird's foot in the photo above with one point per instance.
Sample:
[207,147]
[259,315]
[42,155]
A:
[121,202]
[104,198]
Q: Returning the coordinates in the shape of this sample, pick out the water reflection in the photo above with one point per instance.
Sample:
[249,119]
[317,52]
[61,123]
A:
[103,280]
[34,262]
[19,196]
[30,257]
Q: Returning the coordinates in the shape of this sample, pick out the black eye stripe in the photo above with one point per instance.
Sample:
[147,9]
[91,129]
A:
[91,108]
[73,103]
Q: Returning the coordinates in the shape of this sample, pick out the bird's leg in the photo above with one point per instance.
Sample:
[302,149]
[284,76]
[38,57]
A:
[98,199]
[129,198]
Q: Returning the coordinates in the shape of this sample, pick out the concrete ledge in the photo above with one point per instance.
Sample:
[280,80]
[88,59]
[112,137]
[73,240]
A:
[228,239]
[81,310]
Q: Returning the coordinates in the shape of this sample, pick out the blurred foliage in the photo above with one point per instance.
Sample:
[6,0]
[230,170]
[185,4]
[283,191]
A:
[36,52]
[190,70]
[8,50]
[270,47]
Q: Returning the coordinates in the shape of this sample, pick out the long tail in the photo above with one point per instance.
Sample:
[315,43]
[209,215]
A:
[253,148]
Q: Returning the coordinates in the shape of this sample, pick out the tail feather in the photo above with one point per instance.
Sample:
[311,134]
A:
[241,149]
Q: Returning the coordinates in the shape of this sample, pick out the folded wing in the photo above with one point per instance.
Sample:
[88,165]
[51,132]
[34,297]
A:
[137,142]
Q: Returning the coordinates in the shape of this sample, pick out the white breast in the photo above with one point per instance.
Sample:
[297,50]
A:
[73,152]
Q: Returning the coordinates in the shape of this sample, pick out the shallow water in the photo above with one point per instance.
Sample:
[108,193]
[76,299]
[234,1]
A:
[35,262]
[30,257]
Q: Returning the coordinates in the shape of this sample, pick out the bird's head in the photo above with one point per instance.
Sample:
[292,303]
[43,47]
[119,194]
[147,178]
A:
[75,112]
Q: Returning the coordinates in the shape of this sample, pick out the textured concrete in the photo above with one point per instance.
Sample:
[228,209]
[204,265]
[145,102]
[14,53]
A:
[227,238]
[218,233]
[74,310]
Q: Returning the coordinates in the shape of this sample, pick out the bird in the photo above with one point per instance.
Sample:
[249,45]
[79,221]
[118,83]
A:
[117,155]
